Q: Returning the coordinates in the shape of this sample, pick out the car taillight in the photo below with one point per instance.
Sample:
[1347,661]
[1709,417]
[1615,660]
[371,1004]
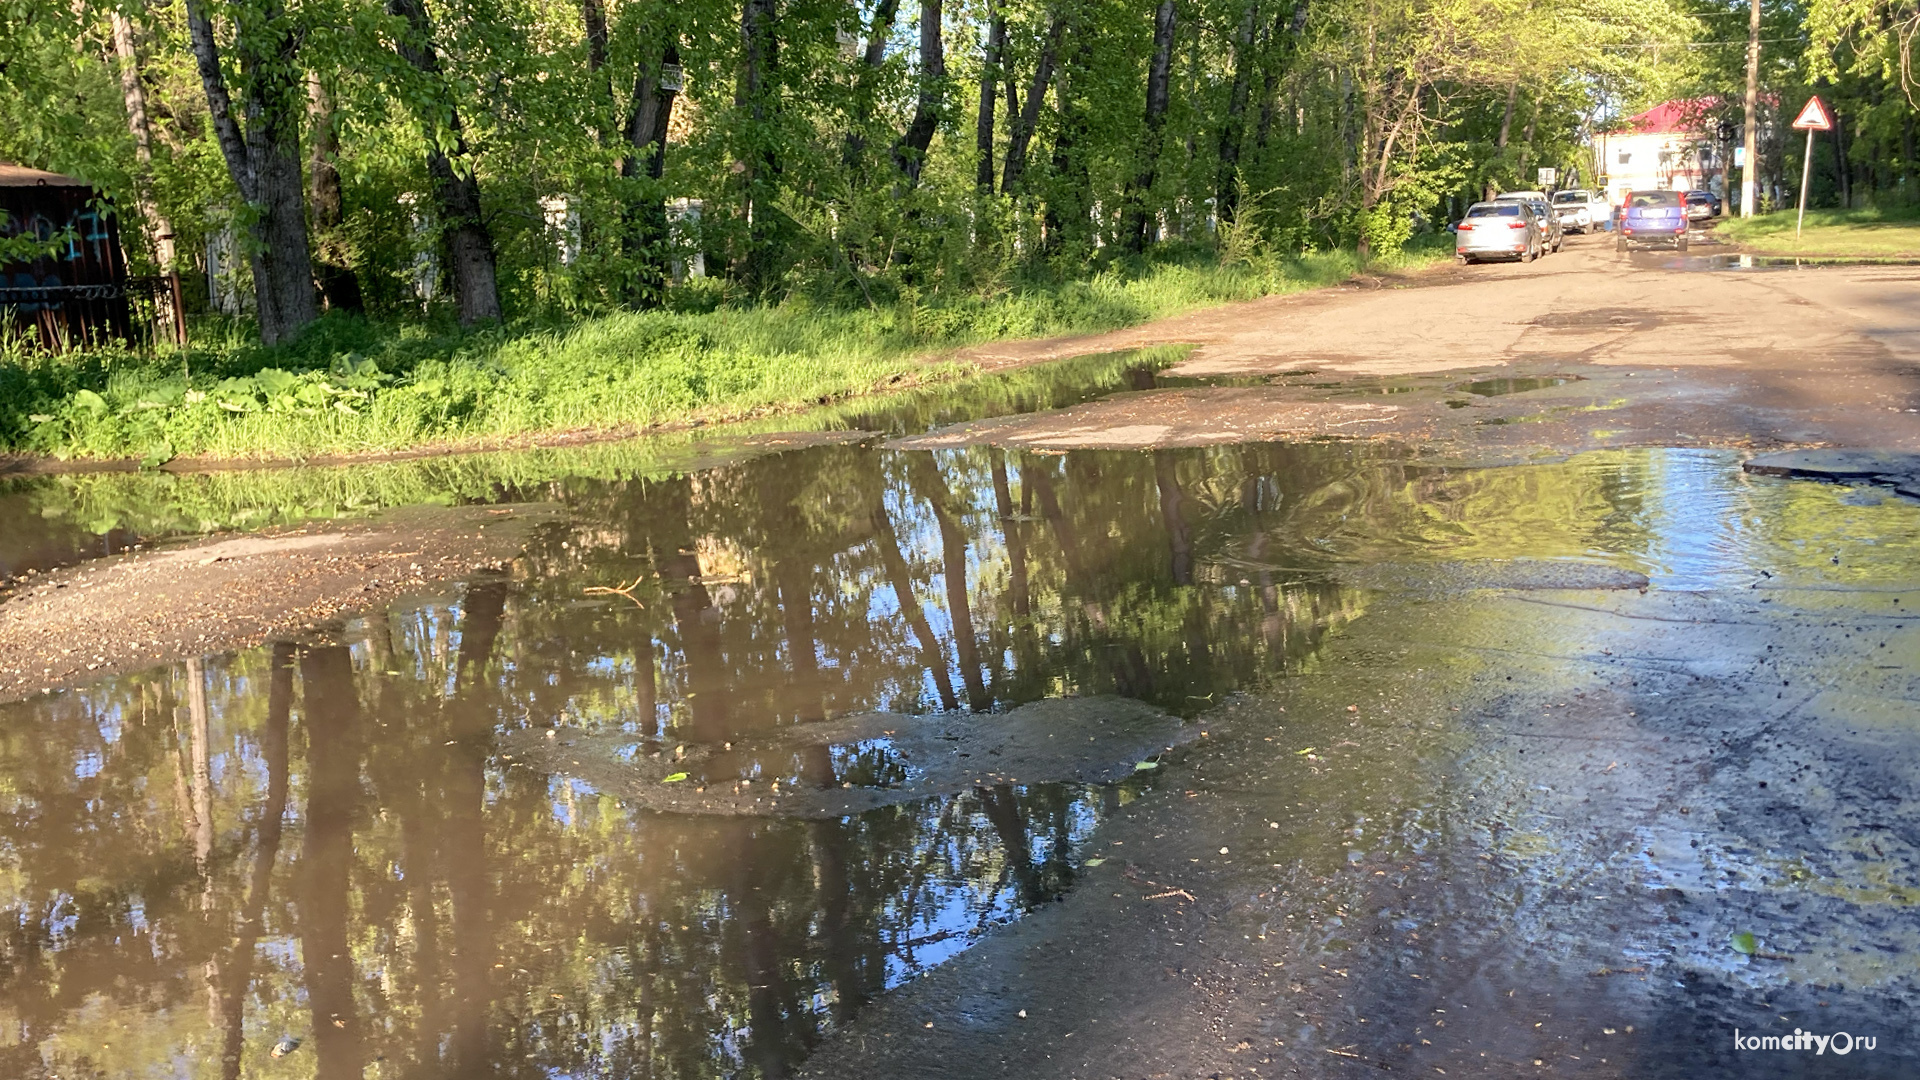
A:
[1464,227]
[1516,224]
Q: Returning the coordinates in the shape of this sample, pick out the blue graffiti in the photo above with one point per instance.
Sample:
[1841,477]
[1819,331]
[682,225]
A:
[93,229]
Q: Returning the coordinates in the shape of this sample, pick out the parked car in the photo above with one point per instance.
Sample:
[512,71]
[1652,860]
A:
[1503,229]
[1582,209]
[1702,205]
[1543,210]
[1653,217]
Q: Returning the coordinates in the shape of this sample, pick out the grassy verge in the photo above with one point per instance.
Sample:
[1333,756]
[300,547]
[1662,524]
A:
[1860,234]
[354,387]
[157,505]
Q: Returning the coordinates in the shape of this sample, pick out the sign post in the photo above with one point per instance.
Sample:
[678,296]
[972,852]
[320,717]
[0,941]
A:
[1814,117]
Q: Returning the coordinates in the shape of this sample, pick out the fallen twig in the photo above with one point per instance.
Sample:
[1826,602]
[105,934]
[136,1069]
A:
[618,590]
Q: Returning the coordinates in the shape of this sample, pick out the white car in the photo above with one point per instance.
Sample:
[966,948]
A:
[1582,210]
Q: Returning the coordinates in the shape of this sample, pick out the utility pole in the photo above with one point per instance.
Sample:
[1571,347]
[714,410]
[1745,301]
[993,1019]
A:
[1750,129]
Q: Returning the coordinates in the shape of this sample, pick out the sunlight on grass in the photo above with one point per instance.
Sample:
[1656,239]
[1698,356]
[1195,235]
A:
[1871,234]
[351,387]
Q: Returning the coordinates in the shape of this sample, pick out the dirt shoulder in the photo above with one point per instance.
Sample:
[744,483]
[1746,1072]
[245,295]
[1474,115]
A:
[147,607]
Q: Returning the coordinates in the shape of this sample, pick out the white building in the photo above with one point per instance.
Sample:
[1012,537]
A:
[1669,146]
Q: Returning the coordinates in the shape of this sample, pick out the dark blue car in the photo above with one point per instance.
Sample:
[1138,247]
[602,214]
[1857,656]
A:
[1653,217]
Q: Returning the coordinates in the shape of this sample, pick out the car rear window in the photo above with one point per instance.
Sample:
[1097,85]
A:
[1571,197]
[1641,200]
[1700,197]
[1507,210]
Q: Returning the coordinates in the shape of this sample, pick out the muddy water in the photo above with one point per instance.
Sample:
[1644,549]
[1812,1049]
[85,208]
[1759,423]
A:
[341,849]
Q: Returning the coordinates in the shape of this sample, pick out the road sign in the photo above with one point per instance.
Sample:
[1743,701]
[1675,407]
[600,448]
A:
[1548,176]
[1814,117]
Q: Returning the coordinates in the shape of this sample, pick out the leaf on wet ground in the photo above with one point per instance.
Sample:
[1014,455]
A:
[1146,766]
[673,778]
[1742,943]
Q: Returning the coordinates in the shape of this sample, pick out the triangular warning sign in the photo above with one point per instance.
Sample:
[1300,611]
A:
[1814,117]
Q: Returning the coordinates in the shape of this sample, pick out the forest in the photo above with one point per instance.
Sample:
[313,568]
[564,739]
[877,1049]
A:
[532,215]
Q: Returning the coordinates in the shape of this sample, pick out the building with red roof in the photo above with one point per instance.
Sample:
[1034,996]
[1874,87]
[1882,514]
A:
[1675,145]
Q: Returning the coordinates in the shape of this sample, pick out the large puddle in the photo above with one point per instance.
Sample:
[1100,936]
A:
[446,842]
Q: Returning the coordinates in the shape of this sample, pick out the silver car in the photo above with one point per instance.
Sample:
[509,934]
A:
[1543,210]
[1502,229]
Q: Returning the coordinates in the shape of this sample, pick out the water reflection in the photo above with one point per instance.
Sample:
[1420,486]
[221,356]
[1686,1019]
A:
[325,841]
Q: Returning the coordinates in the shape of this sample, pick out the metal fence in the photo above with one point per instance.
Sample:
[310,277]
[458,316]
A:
[138,312]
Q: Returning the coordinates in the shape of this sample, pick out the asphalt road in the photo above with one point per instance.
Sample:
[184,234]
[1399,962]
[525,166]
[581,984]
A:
[1504,831]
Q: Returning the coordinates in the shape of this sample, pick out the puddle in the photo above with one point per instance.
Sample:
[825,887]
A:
[501,830]
[56,520]
[1501,387]
[1749,262]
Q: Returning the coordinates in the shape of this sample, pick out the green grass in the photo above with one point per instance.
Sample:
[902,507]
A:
[157,505]
[354,387]
[1856,234]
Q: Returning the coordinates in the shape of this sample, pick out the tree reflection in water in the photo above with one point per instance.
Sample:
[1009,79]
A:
[322,841]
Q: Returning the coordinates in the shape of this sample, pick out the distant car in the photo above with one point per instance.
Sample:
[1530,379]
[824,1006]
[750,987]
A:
[1702,205]
[1542,210]
[1653,217]
[1583,210]
[1506,229]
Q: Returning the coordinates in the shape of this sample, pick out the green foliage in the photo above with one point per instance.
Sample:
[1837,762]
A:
[352,386]
[1862,234]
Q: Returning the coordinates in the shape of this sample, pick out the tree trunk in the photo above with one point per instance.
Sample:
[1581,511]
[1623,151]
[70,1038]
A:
[456,190]
[1020,137]
[910,152]
[266,851]
[863,89]
[605,104]
[1068,211]
[990,71]
[338,286]
[593,19]
[264,163]
[335,749]
[1158,75]
[953,555]
[1233,126]
[159,229]
[901,579]
[1906,148]
[1500,143]
[1526,140]
[1277,55]
[647,121]
[756,161]
[469,714]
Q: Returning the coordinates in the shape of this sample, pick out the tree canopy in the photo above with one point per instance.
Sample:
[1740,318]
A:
[527,158]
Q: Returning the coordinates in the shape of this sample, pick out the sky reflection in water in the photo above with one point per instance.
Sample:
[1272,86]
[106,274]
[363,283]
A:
[324,841]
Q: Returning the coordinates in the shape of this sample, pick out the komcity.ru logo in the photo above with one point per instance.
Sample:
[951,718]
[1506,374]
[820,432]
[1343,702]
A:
[1839,1042]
